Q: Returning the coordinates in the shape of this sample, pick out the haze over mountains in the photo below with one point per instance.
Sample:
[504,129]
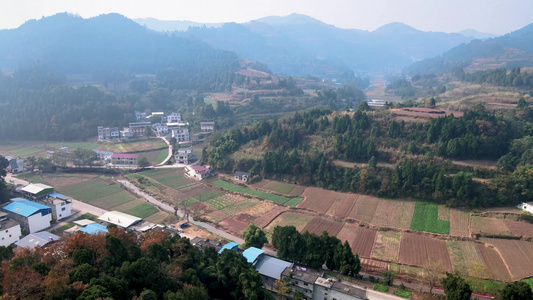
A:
[296,45]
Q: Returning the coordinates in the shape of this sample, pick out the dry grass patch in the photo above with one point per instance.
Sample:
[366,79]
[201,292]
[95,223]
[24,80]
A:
[62,180]
[260,209]
[459,223]
[265,219]
[387,245]
[466,259]
[490,226]
[365,208]
[394,213]
[216,216]
[297,190]
[443,213]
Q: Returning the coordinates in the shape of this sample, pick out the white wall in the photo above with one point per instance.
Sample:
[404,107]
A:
[10,235]
[38,222]
[527,207]
[59,213]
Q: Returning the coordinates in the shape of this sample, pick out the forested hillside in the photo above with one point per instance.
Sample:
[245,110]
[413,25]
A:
[307,148]
[122,265]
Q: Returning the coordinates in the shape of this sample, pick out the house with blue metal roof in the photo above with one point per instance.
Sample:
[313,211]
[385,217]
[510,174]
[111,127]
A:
[230,246]
[32,216]
[94,228]
[252,254]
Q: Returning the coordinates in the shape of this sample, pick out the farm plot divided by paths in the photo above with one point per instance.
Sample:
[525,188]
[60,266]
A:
[491,226]
[394,213]
[289,218]
[317,199]
[519,228]
[518,255]
[343,205]
[361,239]
[259,194]
[426,218]
[365,208]
[418,250]
[459,223]
[466,259]
[268,217]
[319,225]
[494,263]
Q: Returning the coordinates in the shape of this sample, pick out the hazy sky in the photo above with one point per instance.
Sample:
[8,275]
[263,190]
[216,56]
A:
[491,16]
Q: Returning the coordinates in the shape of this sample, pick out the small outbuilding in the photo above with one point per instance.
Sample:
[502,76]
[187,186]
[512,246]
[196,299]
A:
[230,246]
[242,176]
[119,219]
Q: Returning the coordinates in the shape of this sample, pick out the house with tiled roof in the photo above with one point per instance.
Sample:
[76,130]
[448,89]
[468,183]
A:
[32,216]
[198,172]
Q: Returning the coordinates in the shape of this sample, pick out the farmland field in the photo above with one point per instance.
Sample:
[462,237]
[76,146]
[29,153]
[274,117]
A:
[364,241]
[89,190]
[519,228]
[387,245]
[154,172]
[113,200]
[298,220]
[265,219]
[142,210]
[459,223]
[318,199]
[418,250]
[319,225]
[518,255]
[466,259]
[267,196]
[491,226]
[394,213]
[233,225]
[426,218]
[495,265]
[365,208]
[279,187]
[343,205]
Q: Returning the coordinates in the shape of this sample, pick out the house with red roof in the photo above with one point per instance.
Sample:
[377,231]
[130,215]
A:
[125,159]
[199,172]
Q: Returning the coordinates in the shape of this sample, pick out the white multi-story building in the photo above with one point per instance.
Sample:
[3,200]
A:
[139,116]
[10,231]
[172,118]
[108,133]
[138,129]
[16,165]
[207,126]
[61,205]
[181,134]
[185,156]
[161,129]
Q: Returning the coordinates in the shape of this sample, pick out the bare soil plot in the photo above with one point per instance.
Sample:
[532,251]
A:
[198,206]
[517,255]
[238,207]
[365,208]
[519,228]
[297,190]
[216,216]
[245,218]
[443,213]
[466,259]
[319,225]
[494,262]
[343,205]
[394,213]
[233,225]
[459,223]
[265,219]
[364,242]
[348,232]
[387,245]
[418,250]
[261,209]
[298,220]
[62,180]
[175,195]
[371,265]
[491,226]
[317,199]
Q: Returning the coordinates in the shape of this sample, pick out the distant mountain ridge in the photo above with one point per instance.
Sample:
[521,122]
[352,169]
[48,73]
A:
[514,49]
[167,26]
[299,45]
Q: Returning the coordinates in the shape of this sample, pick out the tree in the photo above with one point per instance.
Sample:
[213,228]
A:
[254,237]
[148,131]
[143,162]
[388,277]
[84,157]
[32,162]
[432,274]
[4,193]
[517,290]
[456,288]
[372,163]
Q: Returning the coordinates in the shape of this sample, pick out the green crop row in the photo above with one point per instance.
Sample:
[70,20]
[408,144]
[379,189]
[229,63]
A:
[259,194]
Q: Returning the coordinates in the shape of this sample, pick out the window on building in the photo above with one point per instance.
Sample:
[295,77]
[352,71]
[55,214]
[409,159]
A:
[63,209]
[305,284]
[10,235]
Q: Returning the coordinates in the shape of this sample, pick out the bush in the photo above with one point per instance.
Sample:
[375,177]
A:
[381,288]
[402,293]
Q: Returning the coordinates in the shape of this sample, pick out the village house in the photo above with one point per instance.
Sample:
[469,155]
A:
[61,205]
[172,118]
[108,133]
[103,156]
[35,191]
[10,231]
[139,116]
[120,219]
[198,172]
[181,134]
[185,156]
[160,129]
[37,239]
[125,159]
[32,216]
[242,176]
[16,165]
[137,129]
[207,126]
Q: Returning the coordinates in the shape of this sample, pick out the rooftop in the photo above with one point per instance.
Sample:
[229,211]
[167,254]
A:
[240,173]
[118,218]
[26,208]
[351,289]
[271,267]
[229,246]
[302,274]
[125,155]
[251,254]
[33,240]
[59,196]
[94,228]
[37,188]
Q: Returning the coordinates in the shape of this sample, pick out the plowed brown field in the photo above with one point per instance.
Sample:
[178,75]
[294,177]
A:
[342,206]
[265,219]
[519,228]
[418,250]
[371,265]
[518,255]
[364,242]
[495,265]
[394,213]
[365,208]
[319,225]
[459,223]
[317,199]
[233,225]
[490,226]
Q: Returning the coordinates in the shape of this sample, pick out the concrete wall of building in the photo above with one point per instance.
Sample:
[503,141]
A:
[10,235]
[39,222]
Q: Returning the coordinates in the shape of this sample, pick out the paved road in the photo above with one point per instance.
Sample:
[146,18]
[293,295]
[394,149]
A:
[375,295]
[169,151]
